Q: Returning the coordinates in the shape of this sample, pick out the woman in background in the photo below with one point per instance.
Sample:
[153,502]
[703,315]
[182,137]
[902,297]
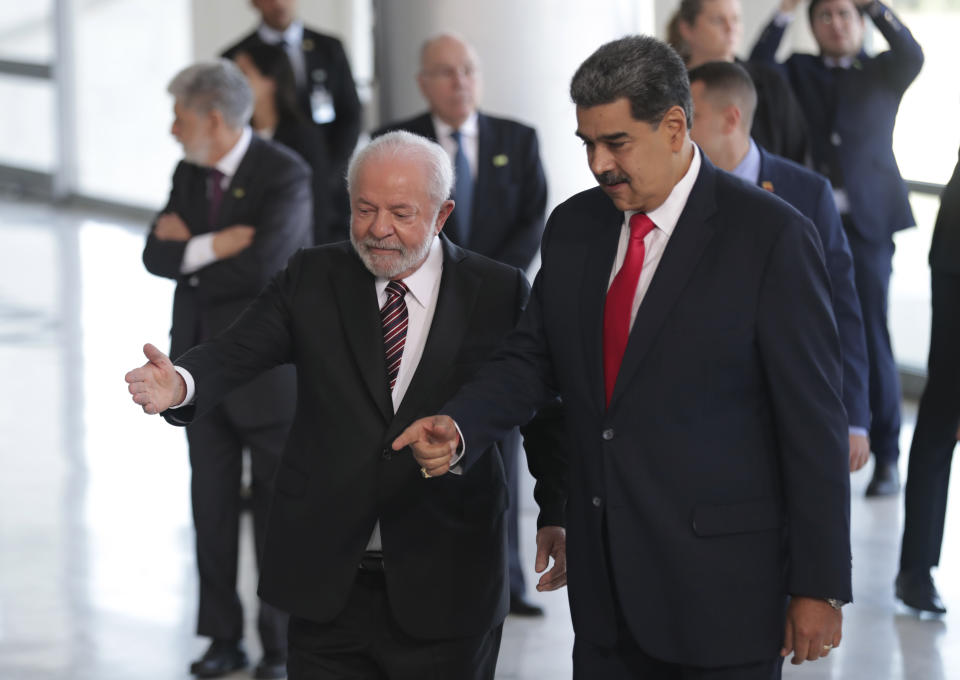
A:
[277,116]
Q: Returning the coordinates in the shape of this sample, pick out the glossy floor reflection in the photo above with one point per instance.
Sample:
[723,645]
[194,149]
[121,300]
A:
[96,563]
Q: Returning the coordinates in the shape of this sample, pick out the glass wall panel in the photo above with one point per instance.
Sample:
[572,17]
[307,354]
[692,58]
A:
[927,134]
[26,31]
[909,312]
[27,123]
[126,53]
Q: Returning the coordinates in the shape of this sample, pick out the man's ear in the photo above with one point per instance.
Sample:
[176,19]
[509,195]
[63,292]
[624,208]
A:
[675,120]
[445,209]
[731,118]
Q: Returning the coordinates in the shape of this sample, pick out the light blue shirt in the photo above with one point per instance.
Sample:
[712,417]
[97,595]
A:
[749,167]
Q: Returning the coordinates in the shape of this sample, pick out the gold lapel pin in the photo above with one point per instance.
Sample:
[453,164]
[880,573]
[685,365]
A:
[239,193]
[500,160]
[767,185]
[307,44]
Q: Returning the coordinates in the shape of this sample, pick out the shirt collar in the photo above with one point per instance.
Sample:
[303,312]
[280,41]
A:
[468,129]
[838,62]
[231,160]
[666,216]
[423,281]
[749,167]
[292,36]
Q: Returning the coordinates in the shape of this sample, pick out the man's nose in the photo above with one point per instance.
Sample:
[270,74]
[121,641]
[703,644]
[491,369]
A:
[601,161]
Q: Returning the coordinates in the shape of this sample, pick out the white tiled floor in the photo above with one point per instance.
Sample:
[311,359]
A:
[96,563]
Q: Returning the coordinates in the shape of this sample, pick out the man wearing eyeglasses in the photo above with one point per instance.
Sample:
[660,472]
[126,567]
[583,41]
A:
[501,199]
[850,100]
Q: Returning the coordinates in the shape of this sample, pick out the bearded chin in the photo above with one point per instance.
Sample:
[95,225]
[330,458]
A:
[387,267]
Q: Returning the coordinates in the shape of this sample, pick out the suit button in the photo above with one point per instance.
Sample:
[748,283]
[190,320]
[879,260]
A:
[386,454]
[194,281]
[835,139]
[607,434]
[596,501]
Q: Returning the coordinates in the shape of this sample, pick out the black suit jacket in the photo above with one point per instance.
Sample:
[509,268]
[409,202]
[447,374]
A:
[810,193]
[850,115]
[945,248]
[778,123]
[271,192]
[326,66]
[510,190]
[444,541]
[716,482]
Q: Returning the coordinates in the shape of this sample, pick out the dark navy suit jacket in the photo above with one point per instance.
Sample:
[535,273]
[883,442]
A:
[850,115]
[810,193]
[510,190]
[717,479]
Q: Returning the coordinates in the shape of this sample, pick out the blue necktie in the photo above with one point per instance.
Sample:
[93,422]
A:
[462,193]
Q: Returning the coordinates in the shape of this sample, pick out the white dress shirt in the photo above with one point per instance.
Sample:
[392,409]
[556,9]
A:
[292,38]
[199,251]
[665,219]
[424,285]
[469,138]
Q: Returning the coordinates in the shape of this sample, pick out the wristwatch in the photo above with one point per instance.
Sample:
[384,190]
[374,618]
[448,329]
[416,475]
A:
[835,603]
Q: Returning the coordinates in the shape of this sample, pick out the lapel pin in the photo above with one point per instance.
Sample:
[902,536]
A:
[767,185]
[239,192]
[307,45]
[500,160]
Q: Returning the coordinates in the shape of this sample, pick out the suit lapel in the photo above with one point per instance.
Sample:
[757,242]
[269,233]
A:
[360,314]
[687,243]
[235,193]
[598,263]
[455,302]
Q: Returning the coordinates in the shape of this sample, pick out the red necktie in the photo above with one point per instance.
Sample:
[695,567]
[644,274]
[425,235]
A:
[619,303]
[393,318]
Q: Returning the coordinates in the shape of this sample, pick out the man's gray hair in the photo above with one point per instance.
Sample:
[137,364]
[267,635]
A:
[215,85]
[647,72]
[401,143]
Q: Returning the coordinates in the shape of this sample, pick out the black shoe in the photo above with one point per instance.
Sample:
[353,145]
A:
[916,589]
[885,481]
[521,606]
[221,657]
[273,665]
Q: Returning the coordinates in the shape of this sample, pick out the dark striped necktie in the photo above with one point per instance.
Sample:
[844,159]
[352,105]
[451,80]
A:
[393,318]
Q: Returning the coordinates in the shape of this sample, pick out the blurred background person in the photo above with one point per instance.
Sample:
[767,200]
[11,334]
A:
[501,198]
[326,93]
[850,100]
[238,208]
[724,100]
[711,30]
[277,116]
[934,439]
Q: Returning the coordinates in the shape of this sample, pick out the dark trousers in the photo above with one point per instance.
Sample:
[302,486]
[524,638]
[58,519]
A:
[873,264]
[626,661]
[511,450]
[216,459]
[364,642]
[934,439]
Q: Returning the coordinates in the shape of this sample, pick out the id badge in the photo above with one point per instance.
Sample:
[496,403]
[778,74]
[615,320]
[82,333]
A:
[321,104]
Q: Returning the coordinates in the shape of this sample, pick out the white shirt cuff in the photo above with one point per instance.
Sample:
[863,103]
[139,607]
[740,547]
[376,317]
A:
[198,253]
[858,431]
[455,466]
[782,19]
[191,386]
